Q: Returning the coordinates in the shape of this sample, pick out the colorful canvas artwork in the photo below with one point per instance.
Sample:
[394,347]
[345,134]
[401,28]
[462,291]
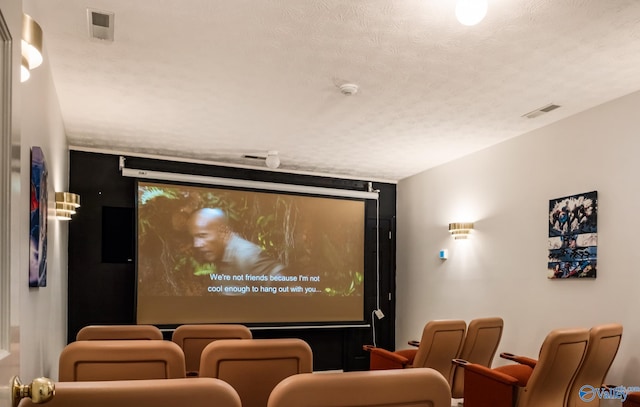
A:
[38,220]
[573,236]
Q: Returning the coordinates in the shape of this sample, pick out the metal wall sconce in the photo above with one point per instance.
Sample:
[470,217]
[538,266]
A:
[66,205]
[31,46]
[460,230]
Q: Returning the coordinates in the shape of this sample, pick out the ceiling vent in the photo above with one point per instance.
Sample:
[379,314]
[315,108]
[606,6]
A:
[541,111]
[100,24]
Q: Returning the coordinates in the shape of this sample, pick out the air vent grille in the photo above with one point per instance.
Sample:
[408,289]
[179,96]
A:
[540,111]
[100,24]
[99,19]
[549,108]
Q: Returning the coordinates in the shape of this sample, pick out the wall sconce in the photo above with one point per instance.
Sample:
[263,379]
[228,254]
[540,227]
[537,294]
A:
[24,70]
[31,46]
[460,230]
[66,205]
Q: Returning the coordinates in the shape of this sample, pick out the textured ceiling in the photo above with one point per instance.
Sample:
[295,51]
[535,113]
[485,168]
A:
[213,80]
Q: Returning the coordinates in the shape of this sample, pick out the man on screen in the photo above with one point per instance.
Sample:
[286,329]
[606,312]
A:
[217,244]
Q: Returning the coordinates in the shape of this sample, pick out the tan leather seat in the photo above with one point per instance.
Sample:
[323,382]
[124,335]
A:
[205,392]
[441,342]
[480,346]
[118,332]
[254,367]
[120,360]
[604,341]
[421,387]
[548,384]
[194,338]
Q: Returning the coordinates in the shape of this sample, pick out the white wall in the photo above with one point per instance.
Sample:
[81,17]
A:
[10,364]
[502,269]
[43,311]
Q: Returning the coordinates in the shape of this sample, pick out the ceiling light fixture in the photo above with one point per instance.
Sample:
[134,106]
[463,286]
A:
[272,160]
[471,12]
[31,41]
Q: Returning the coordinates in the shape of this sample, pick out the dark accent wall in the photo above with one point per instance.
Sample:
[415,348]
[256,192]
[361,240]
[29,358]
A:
[102,264]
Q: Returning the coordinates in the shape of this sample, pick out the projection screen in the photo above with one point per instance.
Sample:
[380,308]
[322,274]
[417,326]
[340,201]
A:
[227,255]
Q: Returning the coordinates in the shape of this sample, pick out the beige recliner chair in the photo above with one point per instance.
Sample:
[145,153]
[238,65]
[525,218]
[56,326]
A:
[480,346]
[604,341]
[253,367]
[120,360]
[422,387]
[194,338]
[546,384]
[440,343]
[205,392]
[118,332]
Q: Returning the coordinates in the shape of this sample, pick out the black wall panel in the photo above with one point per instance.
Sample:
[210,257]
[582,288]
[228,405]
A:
[102,265]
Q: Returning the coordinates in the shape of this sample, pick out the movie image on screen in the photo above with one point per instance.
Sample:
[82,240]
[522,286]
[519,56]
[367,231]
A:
[213,255]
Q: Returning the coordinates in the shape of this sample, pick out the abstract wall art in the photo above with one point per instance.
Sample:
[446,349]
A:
[38,220]
[573,236]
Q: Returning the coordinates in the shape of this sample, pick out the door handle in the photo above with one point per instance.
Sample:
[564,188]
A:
[40,390]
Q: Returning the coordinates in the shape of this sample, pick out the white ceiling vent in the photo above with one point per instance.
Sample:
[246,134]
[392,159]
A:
[100,24]
[541,110]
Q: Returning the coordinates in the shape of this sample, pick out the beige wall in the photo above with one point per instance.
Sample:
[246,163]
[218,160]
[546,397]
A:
[38,316]
[44,310]
[501,270]
[10,362]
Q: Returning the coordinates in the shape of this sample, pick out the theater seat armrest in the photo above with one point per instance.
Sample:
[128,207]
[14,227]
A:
[388,357]
[490,373]
[460,362]
[523,360]
[414,343]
